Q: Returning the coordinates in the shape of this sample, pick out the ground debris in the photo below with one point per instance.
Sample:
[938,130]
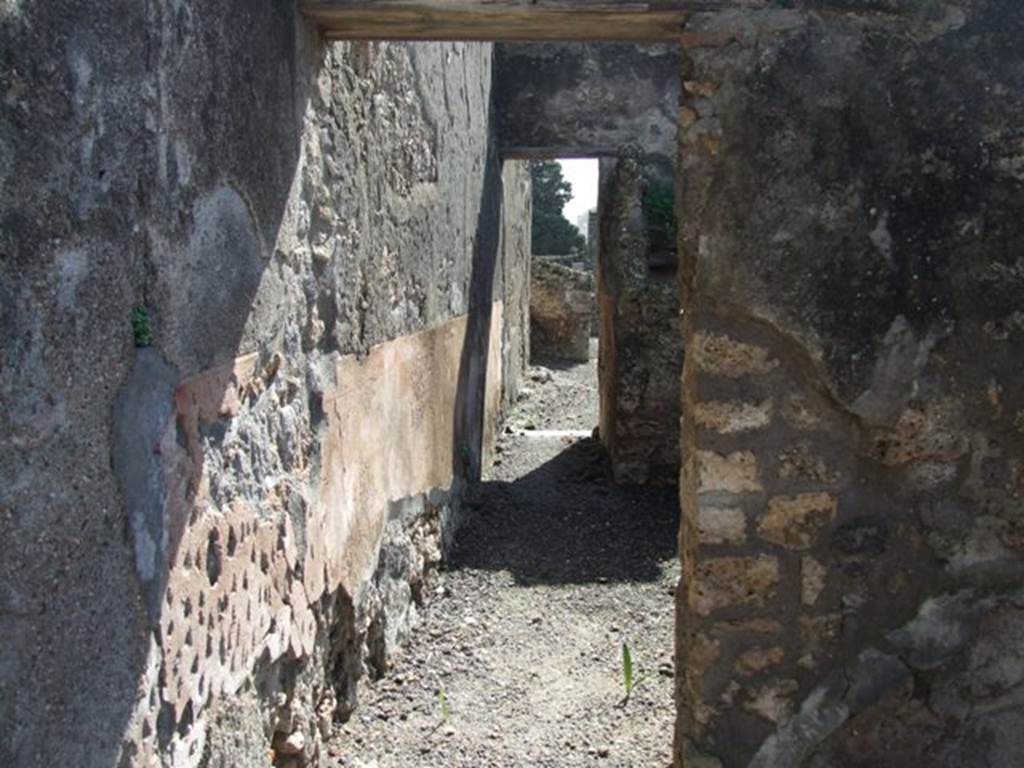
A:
[519,655]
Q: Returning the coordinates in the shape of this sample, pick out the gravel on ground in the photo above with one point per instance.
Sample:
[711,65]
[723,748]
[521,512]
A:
[518,660]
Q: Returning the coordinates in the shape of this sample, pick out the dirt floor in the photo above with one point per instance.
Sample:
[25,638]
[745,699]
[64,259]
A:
[518,660]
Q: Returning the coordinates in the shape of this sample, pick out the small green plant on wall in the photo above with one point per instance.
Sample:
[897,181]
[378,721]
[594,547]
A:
[142,327]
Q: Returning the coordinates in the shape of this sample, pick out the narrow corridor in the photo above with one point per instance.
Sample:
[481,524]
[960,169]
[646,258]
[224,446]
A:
[519,659]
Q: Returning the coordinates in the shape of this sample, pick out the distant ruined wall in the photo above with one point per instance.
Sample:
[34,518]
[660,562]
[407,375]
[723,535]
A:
[561,308]
[207,540]
[853,453]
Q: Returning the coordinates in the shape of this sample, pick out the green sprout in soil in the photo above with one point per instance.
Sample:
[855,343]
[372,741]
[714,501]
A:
[630,680]
[442,703]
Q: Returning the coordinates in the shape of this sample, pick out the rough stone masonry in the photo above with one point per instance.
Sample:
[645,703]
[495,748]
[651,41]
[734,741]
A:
[641,346]
[561,311]
[262,297]
[851,183]
[605,100]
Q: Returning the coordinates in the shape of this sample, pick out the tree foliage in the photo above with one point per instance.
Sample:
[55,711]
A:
[659,210]
[552,233]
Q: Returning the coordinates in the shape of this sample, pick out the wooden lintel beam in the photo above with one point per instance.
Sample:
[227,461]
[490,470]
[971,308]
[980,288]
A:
[501,20]
[553,152]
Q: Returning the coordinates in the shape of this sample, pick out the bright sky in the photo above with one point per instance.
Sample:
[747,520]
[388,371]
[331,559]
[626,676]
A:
[583,175]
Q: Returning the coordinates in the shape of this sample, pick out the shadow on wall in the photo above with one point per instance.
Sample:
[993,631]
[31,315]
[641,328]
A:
[566,522]
[471,395]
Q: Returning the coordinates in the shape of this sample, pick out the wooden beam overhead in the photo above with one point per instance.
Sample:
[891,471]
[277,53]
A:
[560,151]
[501,20]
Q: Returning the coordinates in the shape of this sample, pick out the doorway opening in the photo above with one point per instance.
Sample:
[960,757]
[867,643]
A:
[563,316]
[549,639]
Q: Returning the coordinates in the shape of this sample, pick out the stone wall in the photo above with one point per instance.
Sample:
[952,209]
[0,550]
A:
[561,308]
[515,278]
[853,460]
[586,99]
[216,521]
[640,341]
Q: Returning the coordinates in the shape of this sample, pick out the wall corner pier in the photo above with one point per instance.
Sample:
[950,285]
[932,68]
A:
[853,463]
